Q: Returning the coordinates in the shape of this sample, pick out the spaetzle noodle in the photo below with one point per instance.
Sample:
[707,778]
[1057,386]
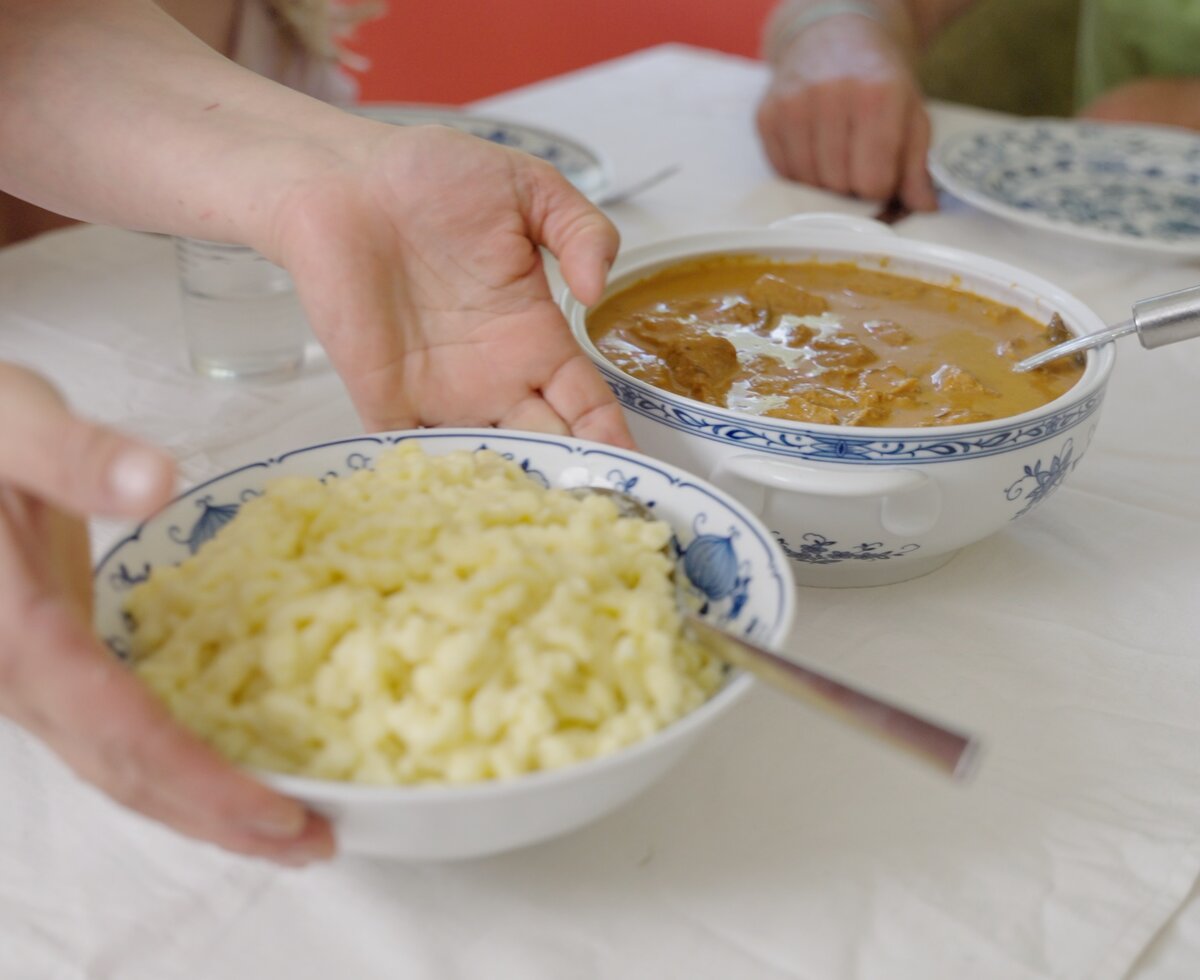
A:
[440,618]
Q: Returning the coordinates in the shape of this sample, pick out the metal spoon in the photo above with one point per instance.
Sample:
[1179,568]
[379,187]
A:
[951,752]
[619,195]
[1159,320]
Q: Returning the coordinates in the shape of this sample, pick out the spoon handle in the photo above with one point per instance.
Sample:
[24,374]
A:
[1169,318]
[619,195]
[953,753]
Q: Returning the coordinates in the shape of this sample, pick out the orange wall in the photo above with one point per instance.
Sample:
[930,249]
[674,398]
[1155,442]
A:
[455,51]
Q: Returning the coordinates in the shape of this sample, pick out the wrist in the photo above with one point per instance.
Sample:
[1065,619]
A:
[255,169]
[792,20]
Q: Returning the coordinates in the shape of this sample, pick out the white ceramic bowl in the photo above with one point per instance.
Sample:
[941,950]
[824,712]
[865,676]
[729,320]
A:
[738,568]
[858,506]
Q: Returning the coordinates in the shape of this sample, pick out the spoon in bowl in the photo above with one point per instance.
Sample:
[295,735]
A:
[952,752]
[1159,320]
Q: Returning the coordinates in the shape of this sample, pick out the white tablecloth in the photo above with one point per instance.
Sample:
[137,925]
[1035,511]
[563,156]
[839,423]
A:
[785,845]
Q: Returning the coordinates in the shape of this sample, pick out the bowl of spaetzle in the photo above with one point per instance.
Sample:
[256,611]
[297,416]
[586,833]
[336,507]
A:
[433,638]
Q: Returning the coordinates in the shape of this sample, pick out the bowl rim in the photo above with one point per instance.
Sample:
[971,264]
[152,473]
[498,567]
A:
[736,685]
[867,243]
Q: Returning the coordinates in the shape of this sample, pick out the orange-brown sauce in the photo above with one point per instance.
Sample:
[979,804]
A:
[831,343]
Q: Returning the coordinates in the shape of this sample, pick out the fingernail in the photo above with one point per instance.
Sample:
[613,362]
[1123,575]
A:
[135,475]
[282,824]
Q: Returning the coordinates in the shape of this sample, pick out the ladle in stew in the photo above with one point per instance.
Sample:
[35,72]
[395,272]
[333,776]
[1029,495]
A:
[1159,320]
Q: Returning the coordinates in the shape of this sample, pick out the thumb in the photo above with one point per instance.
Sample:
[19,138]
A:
[76,465]
[578,233]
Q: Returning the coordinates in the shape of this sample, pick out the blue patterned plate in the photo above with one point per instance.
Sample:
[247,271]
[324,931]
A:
[1135,186]
[582,166]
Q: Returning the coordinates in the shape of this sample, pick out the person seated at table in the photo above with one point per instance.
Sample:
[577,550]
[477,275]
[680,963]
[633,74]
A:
[844,106]
[300,44]
[416,253]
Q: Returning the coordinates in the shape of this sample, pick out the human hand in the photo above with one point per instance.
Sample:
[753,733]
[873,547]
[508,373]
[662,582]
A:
[414,249]
[418,262]
[58,681]
[1162,101]
[844,111]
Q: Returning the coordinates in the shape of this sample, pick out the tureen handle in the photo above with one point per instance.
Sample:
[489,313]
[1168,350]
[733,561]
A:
[833,221]
[910,501]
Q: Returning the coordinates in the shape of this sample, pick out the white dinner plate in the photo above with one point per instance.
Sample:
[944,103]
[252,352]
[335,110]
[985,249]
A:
[581,165]
[1136,186]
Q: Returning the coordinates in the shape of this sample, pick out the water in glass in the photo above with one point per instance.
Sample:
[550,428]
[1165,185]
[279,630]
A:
[241,316]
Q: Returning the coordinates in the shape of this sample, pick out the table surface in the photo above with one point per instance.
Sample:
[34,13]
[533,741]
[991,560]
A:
[784,845]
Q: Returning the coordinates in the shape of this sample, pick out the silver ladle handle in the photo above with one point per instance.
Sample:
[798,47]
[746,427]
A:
[954,753]
[1158,321]
[1169,318]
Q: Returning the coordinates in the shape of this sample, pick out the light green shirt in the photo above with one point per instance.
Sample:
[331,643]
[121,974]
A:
[1120,40]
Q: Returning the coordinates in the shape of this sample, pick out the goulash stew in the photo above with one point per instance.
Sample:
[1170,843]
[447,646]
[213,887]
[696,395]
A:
[830,343]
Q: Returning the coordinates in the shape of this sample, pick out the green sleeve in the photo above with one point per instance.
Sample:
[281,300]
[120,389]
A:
[1120,40]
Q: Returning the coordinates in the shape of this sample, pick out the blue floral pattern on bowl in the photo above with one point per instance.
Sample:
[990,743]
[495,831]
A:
[123,579]
[714,572]
[817,549]
[212,518]
[1130,185]
[530,471]
[1038,482]
[794,441]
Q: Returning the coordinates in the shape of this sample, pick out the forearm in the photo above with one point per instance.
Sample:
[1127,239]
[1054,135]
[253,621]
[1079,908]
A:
[111,112]
[1169,101]
[911,23]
